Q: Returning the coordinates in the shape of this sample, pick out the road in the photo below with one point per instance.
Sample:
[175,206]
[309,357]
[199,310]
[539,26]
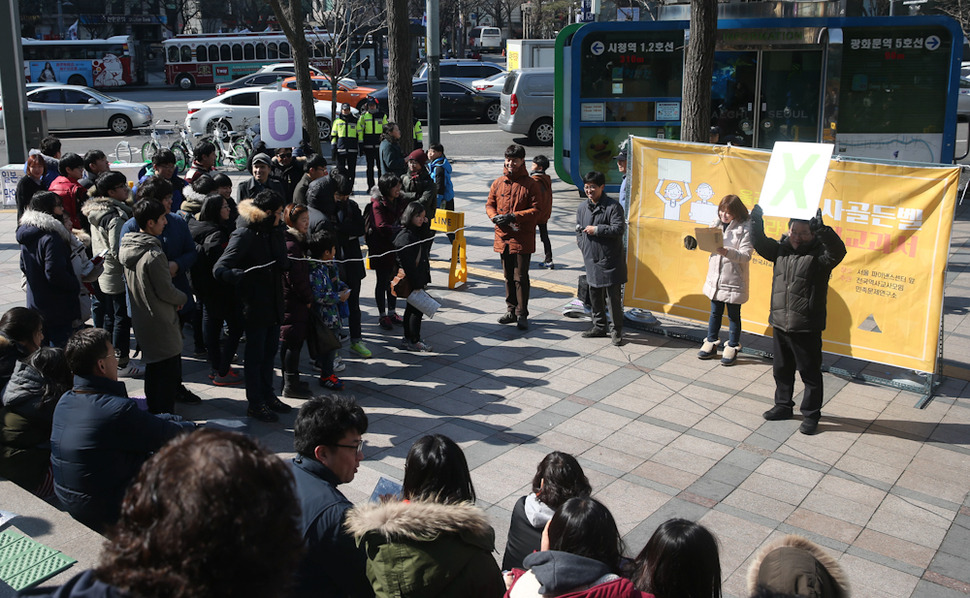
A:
[461,140]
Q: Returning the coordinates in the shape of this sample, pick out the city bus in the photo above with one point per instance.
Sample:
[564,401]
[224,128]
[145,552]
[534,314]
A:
[207,59]
[99,63]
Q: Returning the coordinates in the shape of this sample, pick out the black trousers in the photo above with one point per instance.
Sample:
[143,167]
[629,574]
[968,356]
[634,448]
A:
[162,381]
[412,323]
[348,162]
[546,243]
[801,351]
[515,266]
[353,304]
[372,154]
[597,302]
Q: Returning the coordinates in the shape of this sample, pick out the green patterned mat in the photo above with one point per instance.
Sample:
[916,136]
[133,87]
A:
[25,563]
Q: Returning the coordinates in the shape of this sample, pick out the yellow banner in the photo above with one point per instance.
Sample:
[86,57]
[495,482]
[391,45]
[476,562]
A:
[886,297]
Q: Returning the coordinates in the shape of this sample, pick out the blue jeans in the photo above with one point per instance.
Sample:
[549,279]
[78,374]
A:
[734,317]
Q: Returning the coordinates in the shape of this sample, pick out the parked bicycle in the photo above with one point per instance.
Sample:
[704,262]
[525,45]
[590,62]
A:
[233,148]
[182,147]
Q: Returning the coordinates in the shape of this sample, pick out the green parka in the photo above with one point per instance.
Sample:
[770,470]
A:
[427,550]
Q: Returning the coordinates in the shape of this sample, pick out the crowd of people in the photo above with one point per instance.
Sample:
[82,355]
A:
[276,263]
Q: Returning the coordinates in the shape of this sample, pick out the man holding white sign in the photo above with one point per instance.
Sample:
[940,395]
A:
[803,262]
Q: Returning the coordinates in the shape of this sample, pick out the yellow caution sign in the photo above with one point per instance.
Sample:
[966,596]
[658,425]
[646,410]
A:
[446,221]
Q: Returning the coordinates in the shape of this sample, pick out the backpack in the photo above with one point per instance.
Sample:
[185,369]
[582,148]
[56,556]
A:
[369,227]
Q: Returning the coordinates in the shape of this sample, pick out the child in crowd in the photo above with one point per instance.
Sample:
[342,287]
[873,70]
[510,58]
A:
[539,166]
[325,313]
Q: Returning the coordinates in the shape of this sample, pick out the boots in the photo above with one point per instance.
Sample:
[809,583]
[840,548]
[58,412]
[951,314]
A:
[293,388]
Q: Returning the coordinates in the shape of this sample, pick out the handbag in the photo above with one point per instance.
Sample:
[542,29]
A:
[325,338]
[400,285]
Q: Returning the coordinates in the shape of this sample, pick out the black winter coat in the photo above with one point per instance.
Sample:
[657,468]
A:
[211,240]
[256,242]
[297,295]
[250,187]
[99,441]
[603,252]
[333,565]
[45,259]
[347,222]
[800,279]
[416,260]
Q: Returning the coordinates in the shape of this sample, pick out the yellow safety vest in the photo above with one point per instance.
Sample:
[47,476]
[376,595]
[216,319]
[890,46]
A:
[418,135]
[369,129]
[345,134]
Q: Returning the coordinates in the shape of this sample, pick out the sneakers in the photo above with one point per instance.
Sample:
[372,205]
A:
[778,413]
[277,405]
[808,427]
[360,349]
[418,347]
[508,318]
[549,264]
[386,323]
[730,355]
[616,337]
[184,395]
[130,371]
[708,350]
[396,319]
[294,388]
[332,382]
[522,323]
[338,364]
[594,333]
[231,378]
[263,414]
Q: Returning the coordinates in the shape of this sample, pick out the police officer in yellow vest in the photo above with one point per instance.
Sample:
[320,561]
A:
[370,126]
[418,135]
[344,140]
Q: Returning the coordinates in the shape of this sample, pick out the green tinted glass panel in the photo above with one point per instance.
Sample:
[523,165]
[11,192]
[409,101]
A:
[894,80]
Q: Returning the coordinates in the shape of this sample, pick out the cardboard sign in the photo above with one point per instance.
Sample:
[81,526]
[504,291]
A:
[709,239]
[794,180]
[280,118]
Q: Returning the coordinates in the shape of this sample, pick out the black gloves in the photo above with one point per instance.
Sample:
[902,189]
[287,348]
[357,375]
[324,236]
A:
[690,243]
[816,224]
[757,213]
[503,219]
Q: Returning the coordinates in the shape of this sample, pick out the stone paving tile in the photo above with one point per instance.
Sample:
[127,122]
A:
[911,520]
[905,551]
[630,504]
[823,525]
[669,476]
[873,579]
[758,504]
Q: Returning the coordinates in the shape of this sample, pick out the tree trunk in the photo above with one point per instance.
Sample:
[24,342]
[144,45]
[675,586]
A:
[290,17]
[696,117]
[399,95]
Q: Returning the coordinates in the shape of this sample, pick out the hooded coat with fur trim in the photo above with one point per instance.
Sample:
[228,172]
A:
[25,427]
[154,298]
[107,216]
[256,242]
[797,566]
[45,259]
[427,550]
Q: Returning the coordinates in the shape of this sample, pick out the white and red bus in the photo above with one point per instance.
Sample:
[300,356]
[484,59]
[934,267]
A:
[192,60]
[100,63]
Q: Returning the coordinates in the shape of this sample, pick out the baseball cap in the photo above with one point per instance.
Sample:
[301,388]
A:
[262,158]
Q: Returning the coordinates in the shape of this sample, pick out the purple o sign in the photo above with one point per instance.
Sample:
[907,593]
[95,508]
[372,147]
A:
[290,119]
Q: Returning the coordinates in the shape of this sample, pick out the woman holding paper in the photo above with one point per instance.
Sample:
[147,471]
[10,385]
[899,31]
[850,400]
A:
[727,278]
[414,257]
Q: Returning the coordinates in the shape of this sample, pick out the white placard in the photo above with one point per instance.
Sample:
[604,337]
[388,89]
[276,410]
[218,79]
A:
[794,180]
[280,118]
[668,111]
[592,111]
[10,175]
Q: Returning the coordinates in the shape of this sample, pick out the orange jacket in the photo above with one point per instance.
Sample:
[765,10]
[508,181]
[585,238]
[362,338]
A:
[515,193]
[544,199]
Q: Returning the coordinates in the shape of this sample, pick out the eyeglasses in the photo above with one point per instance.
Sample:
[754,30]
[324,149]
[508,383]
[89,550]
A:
[124,186]
[359,446]
[284,155]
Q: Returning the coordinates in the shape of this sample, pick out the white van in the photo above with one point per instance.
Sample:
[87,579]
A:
[485,37]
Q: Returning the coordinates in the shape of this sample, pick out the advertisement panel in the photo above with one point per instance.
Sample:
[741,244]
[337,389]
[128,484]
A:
[885,298]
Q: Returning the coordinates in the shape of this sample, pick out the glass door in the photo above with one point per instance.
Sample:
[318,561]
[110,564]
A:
[732,96]
[790,88]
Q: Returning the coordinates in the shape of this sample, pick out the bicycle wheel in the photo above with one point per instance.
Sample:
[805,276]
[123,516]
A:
[149,149]
[240,155]
[181,157]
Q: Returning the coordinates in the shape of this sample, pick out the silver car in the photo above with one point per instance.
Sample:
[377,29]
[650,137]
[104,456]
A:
[527,104]
[73,107]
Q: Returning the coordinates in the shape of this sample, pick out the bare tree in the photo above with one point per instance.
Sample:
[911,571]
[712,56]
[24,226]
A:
[958,10]
[347,23]
[400,109]
[289,14]
[696,119]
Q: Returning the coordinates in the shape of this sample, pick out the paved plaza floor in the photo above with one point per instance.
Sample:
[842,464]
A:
[883,486]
